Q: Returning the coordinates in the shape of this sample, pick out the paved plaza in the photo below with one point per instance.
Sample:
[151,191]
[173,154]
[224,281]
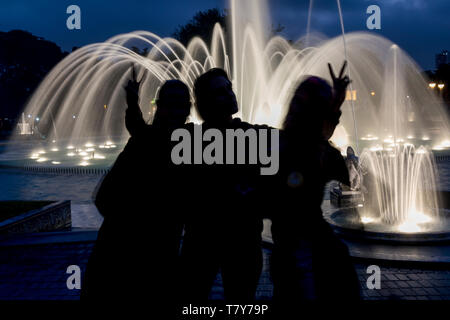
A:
[33,267]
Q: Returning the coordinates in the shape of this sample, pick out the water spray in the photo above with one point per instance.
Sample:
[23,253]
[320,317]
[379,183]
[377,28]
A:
[351,87]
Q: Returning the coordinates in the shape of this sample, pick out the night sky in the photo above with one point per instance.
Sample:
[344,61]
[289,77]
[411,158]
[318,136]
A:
[420,27]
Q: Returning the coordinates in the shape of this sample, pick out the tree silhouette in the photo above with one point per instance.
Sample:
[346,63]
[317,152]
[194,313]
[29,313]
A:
[201,25]
[25,60]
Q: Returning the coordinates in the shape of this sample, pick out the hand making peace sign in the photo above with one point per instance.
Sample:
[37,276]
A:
[339,86]
[132,88]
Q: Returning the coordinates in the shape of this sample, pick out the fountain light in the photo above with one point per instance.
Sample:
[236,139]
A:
[56,162]
[71,154]
[86,158]
[34,156]
[421,151]
[425,138]
[388,140]
[411,225]
[410,137]
[408,227]
[108,143]
[82,153]
[41,152]
[88,145]
[376,148]
[101,146]
[84,163]
[98,156]
[369,138]
[366,220]
[418,217]
[90,149]
[55,149]
[443,145]
[41,159]
[70,147]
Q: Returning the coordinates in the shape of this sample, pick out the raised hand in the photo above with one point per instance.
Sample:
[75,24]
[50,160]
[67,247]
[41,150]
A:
[340,84]
[132,88]
[134,121]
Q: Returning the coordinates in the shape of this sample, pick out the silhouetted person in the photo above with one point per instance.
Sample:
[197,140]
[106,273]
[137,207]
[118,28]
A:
[309,262]
[141,200]
[223,232]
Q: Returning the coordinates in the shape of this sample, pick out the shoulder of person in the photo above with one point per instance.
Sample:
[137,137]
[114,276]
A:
[238,123]
[333,150]
[189,126]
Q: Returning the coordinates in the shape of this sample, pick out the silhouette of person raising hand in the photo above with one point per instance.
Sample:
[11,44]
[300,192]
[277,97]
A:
[138,242]
[309,262]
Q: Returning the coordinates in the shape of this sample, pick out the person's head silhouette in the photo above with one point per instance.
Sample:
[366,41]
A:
[215,99]
[173,104]
[310,111]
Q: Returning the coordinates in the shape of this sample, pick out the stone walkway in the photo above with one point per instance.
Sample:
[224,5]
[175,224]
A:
[38,272]
[407,284]
[85,215]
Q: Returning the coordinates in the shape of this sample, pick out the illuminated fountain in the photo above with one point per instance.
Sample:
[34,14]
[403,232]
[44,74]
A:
[397,165]
[400,189]
[400,180]
[82,101]
[24,126]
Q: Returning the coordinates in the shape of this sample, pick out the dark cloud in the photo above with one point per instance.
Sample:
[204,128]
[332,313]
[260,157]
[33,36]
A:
[420,27]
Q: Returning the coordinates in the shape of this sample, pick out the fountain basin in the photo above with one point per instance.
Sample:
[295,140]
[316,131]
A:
[93,156]
[347,222]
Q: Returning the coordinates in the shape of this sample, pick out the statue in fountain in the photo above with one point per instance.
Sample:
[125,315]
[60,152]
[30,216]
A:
[353,168]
